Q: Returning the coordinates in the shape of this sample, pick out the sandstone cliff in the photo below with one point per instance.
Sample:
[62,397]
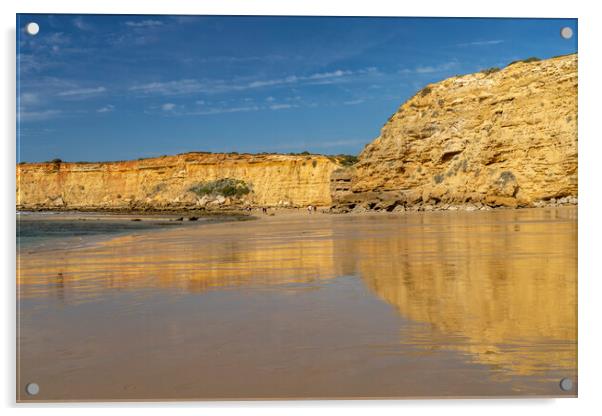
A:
[494,138]
[273,180]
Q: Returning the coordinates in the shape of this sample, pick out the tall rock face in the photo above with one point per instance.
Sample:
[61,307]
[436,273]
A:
[157,183]
[496,138]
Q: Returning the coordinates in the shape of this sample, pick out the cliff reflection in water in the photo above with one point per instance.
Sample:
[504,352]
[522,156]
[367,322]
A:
[503,291]
[193,260]
[500,287]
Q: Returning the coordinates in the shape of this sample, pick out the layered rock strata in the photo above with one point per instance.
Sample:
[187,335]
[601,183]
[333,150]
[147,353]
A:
[167,182]
[497,138]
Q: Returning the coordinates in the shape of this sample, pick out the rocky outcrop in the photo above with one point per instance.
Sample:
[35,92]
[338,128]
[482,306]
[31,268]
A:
[175,181]
[340,182]
[495,138]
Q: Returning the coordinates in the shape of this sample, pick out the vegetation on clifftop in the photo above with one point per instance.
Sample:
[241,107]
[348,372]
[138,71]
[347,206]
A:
[530,59]
[346,160]
[489,71]
[226,187]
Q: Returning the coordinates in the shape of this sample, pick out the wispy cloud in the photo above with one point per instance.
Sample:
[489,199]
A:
[144,23]
[354,102]
[191,86]
[430,69]
[482,43]
[29,98]
[294,79]
[222,110]
[24,115]
[41,48]
[81,24]
[207,110]
[79,92]
[106,109]
[234,59]
[281,106]
[184,86]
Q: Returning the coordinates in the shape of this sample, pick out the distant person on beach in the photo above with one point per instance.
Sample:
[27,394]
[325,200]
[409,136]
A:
[264,210]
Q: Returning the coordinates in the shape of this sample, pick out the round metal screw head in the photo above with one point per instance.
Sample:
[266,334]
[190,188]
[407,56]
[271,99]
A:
[566,32]
[566,384]
[32,28]
[32,389]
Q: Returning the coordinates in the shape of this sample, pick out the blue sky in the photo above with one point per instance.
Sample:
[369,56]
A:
[115,87]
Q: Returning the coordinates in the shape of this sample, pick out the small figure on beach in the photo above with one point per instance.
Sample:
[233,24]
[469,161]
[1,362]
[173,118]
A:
[311,208]
[264,210]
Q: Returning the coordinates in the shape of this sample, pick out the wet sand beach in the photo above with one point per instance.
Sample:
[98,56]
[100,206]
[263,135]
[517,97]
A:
[298,305]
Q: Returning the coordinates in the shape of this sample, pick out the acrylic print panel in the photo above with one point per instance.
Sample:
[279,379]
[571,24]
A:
[218,207]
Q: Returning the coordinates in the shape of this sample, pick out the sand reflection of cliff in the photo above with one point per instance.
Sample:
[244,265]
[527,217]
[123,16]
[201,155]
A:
[506,294]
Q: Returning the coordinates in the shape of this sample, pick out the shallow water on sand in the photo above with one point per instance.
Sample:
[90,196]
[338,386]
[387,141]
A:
[308,306]
[38,231]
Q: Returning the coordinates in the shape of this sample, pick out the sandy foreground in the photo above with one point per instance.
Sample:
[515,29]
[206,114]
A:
[300,305]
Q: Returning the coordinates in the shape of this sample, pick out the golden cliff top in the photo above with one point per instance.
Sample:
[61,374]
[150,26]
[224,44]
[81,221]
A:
[171,181]
[501,137]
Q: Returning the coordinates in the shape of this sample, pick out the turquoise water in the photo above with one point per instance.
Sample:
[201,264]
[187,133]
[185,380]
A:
[39,231]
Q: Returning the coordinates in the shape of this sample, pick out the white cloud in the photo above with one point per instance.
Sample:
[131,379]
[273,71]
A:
[38,115]
[354,102]
[429,69]
[220,110]
[82,92]
[168,106]
[28,98]
[185,86]
[337,73]
[291,79]
[81,24]
[106,109]
[144,23]
[191,86]
[58,38]
[281,106]
[320,77]
[482,43]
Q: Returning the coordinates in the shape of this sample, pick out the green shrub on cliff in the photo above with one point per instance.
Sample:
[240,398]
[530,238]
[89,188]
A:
[347,160]
[227,187]
[491,70]
[531,59]
[343,159]
[425,91]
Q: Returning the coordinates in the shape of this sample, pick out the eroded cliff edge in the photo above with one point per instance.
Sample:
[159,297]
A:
[494,138]
[171,181]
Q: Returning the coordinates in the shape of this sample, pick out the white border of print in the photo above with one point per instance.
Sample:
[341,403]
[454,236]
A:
[590,151]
